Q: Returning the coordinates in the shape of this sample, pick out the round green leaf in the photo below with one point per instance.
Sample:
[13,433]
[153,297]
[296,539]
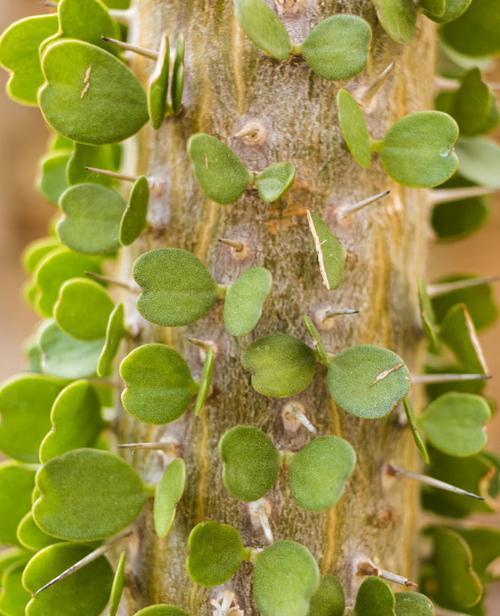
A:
[30,536]
[177,288]
[134,218]
[83,308]
[329,599]
[275,181]
[250,461]
[398,18]
[375,598]
[84,82]
[25,404]
[418,150]
[84,592]
[119,582]
[484,543]
[479,160]
[474,105]
[475,32]
[16,486]
[36,251]
[52,180]
[319,472]
[219,172]
[92,218]
[76,421]
[413,604]
[100,157]
[281,365]
[158,85]
[19,46]
[168,493]
[245,299]
[86,495]
[337,48]
[12,556]
[14,597]
[161,610]
[159,384]
[454,423]
[215,553]
[459,335]
[264,28]
[433,8]
[354,128]
[453,10]
[368,381]
[285,578]
[115,331]
[331,253]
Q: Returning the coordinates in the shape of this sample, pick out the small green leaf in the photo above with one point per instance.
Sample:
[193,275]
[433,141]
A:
[178,288]
[100,157]
[245,299]
[36,251]
[158,85]
[115,331]
[264,28]
[19,55]
[134,218]
[454,423]
[484,543]
[215,553]
[337,48]
[319,472]
[418,149]
[433,8]
[205,383]
[52,180]
[82,309]
[475,32]
[375,598]
[459,335]
[76,421]
[474,105]
[275,181]
[285,578]
[16,486]
[177,86]
[398,18]
[159,384]
[84,592]
[368,381]
[320,349]
[12,556]
[453,10]
[479,160]
[219,172]
[354,128]
[250,461]
[412,422]
[168,493]
[92,217]
[25,404]
[329,599]
[161,610]
[281,365]
[331,253]
[119,582]
[82,82]
[30,536]
[86,495]
[428,317]
[14,597]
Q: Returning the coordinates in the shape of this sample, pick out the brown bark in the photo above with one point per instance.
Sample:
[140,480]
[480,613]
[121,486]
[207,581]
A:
[230,83]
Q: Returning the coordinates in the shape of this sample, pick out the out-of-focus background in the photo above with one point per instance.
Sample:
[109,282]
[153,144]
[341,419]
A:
[24,215]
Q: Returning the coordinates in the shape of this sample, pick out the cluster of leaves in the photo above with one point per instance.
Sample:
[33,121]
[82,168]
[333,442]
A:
[64,495]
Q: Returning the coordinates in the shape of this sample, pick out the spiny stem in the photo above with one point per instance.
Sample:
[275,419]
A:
[239,248]
[112,174]
[112,281]
[142,51]
[436,379]
[367,567]
[204,345]
[344,211]
[446,195]
[368,94]
[326,316]
[441,288]
[100,551]
[259,513]
[295,411]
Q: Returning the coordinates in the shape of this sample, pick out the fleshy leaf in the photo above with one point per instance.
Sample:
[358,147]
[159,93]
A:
[398,18]
[479,160]
[30,536]
[52,180]
[161,610]
[475,32]
[329,598]
[86,495]
[36,251]
[158,85]
[453,10]
[433,8]
[281,365]
[100,157]
[115,331]
[14,597]
[484,543]
[119,582]
[474,105]
[459,335]
[169,492]
[368,381]
[319,472]
[275,181]
[375,598]
[134,218]
[16,486]
[354,128]
[331,253]
[250,461]
[245,299]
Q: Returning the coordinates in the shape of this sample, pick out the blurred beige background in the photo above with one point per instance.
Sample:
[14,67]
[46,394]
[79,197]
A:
[24,215]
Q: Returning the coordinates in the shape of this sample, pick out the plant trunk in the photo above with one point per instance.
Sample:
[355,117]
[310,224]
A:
[229,84]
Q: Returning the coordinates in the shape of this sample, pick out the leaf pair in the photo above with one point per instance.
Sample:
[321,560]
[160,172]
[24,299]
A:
[336,49]
[375,598]
[475,31]
[224,178]
[416,151]
[165,91]
[317,473]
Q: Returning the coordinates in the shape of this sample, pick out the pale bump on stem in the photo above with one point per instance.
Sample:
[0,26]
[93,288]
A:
[142,51]
[122,284]
[225,603]
[365,567]
[447,195]
[260,512]
[441,288]
[204,345]
[253,133]
[366,96]
[342,212]
[325,317]
[239,249]
[294,416]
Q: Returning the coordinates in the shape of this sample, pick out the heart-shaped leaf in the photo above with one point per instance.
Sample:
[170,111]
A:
[319,472]
[219,172]
[484,543]
[177,85]
[19,46]
[76,421]
[159,384]
[14,597]
[250,461]
[275,181]
[459,335]
[354,128]
[433,8]
[25,404]
[115,331]
[479,160]
[475,32]
[398,18]
[413,604]
[418,150]
[16,486]
[337,48]
[169,492]
[82,82]
[245,299]
[281,365]
[134,218]
[329,599]
[454,423]
[453,10]
[92,217]
[331,253]
[52,180]
[178,288]
[368,381]
[264,28]
[161,610]
[205,383]
[158,85]
[82,309]
[86,495]
[375,598]
[37,250]
[106,156]
[215,553]
[30,536]
[12,556]
[119,582]
[427,316]
[285,578]
[84,592]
